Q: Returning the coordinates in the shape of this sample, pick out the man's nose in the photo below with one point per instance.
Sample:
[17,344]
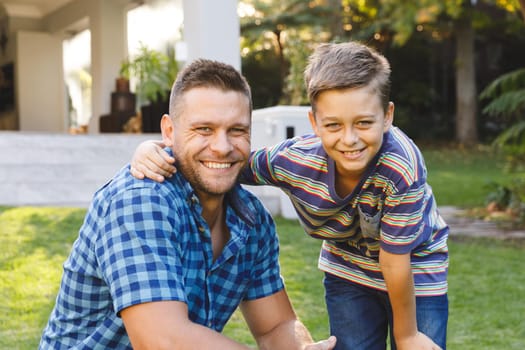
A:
[221,143]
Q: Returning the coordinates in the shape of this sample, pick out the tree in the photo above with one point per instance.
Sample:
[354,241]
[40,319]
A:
[507,103]
[397,21]
[276,17]
[383,23]
[288,28]
[466,90]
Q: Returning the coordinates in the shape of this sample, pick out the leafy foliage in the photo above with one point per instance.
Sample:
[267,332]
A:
[507,102]
[507,94]
[295,90]
[289,26]
[510,199]
[153,73]
[286,28]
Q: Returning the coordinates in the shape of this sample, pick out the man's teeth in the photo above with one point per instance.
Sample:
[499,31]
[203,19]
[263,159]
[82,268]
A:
[214,165]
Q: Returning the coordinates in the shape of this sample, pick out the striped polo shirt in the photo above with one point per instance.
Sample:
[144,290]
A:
[392,208]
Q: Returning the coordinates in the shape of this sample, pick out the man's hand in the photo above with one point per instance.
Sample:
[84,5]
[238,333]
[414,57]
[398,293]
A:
[151,161]
[418,342]
[327,344]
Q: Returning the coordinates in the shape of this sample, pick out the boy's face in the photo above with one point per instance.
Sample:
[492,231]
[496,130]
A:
[351,124]
[210,139]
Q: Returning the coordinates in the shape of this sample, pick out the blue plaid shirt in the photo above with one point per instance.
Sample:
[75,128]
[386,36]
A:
[143,241]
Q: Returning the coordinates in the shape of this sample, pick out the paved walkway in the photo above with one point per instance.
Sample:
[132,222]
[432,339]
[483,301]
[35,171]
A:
[462,225]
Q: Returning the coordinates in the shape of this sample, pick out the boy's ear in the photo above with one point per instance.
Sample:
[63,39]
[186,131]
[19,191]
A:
[313,122]
[389,117]
[167,128]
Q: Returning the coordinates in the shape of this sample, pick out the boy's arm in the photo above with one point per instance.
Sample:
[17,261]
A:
[274,325]
[397,272]
[151,161]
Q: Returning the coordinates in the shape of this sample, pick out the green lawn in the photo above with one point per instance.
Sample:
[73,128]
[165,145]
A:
[460,177]
[487,283]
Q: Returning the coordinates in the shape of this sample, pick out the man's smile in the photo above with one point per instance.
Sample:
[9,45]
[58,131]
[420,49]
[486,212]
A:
[217,165]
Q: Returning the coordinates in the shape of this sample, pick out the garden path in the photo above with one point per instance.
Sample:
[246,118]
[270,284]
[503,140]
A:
[464,225]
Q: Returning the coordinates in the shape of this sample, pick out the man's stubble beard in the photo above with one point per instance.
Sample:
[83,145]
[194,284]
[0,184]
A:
[199,183]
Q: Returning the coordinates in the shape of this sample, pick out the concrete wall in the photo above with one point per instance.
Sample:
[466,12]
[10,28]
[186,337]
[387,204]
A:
[59,169]
[66,170]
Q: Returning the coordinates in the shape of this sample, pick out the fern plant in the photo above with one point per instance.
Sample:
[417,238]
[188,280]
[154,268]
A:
[507,95]
[507,102]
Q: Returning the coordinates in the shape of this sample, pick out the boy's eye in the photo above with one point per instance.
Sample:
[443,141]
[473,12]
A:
[332,126]
[364,123]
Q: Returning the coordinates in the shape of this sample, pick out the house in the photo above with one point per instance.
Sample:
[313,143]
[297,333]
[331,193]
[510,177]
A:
[33,93]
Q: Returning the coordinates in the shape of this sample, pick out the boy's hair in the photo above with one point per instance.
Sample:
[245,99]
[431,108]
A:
[208,74]
[344,66]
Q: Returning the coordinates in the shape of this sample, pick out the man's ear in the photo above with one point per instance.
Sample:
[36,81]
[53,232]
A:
[167,128]
[313,122]
[389,117]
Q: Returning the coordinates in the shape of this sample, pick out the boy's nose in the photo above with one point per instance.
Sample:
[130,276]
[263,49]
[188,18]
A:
[349,136]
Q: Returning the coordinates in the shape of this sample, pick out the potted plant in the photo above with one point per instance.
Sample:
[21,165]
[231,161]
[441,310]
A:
[152,73]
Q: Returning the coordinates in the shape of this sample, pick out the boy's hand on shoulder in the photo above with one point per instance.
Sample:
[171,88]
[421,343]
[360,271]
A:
[151,161]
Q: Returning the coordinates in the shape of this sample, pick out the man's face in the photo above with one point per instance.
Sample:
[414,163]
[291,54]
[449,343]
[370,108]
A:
[210,139]
[350,124]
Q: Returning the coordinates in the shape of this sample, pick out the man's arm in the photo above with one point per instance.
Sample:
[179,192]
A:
[397,272]
[165,325]
[275,326]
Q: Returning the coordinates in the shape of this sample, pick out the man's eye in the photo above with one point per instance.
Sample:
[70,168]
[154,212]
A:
[238,131]
[204,129]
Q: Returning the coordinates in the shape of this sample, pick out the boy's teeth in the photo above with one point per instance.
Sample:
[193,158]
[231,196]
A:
[217,165]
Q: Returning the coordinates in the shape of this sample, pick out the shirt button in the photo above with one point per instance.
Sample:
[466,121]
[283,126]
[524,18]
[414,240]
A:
[201,229]
[209,324]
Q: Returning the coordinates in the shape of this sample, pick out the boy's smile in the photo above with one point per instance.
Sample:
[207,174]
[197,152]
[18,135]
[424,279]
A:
[351,124]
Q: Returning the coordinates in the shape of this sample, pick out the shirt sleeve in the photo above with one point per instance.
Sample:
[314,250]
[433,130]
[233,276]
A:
[266,276]
[139,261]
[260,167]
[403,221]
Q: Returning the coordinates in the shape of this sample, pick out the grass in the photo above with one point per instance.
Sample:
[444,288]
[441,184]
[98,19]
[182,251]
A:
[35,242]
[460,177]
[487,283]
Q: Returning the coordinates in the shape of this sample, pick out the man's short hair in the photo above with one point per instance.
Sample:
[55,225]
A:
[208,74]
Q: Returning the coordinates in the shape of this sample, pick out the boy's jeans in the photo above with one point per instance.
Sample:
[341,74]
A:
[360,317]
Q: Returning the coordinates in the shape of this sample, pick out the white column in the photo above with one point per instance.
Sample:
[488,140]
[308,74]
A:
[108,49]
[212,30]
[40,90]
